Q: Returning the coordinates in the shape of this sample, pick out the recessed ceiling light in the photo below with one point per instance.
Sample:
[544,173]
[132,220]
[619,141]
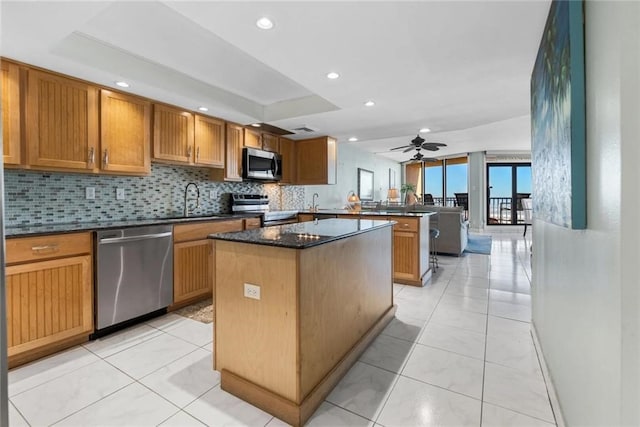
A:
[264,23]
[353,139]
[333,75]
[369,103]
[122,84]
[425,130]
[203,109]
[255,125]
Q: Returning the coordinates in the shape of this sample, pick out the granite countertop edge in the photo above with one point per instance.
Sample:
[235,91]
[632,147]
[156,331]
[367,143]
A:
[366,212]
[252,237]
[73,227]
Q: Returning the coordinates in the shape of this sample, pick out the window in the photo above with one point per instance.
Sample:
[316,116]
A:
[446,177]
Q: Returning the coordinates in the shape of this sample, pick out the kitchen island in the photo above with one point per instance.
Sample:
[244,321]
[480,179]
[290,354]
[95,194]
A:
[322,291]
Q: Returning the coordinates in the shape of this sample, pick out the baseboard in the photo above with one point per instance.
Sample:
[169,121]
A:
[553,397]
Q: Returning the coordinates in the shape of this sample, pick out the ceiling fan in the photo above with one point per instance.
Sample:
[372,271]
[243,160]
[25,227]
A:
[419,157]
[419,143]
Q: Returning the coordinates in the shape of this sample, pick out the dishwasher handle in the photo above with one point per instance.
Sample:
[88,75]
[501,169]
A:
[110,240]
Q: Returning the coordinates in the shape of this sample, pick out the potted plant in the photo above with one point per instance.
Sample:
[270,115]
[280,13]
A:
[408,191]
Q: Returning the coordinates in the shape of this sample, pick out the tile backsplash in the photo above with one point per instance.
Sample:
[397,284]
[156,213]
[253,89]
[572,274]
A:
[51,197]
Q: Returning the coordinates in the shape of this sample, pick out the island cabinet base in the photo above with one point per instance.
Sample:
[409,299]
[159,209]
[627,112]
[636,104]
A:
[317,309]
[291,412]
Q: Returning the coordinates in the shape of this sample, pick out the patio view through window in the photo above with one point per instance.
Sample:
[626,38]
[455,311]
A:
[508,184]
[446,177]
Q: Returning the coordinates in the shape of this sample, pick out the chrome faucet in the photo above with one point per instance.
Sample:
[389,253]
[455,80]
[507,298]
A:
[314,207]
[186,192]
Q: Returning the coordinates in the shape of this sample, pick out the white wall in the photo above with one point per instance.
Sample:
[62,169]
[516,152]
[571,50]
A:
[350,159]
[585,284]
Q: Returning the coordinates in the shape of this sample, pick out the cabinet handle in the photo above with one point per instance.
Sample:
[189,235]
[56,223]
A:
[45,248]
[189,151]
[405,225]
[197,153]
[105,160]
[92,155]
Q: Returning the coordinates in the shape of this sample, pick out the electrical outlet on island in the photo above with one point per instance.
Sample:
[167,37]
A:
[251,291]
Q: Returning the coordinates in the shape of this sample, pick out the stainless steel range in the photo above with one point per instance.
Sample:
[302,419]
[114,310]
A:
[259,203]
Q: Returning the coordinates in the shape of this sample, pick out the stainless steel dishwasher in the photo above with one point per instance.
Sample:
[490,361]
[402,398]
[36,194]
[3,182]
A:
[134,273]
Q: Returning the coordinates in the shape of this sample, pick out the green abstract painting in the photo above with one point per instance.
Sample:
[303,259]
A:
[558,119]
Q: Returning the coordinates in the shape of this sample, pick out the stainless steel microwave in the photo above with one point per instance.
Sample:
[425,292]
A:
[261,165]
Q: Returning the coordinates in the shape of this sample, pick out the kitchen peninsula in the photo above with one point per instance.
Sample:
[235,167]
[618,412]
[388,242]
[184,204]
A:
[410,239]
[296,305]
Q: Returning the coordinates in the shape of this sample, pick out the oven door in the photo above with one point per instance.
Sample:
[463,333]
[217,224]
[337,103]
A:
[261,165]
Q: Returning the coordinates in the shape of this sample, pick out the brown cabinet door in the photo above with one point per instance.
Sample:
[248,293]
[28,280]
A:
[405,256]
[61,122]
[173,134]
[316,161]
[192,270]
[11,113]
[235,141]
[209,142]
[252,138]
[305,217]
[125,133]
[288,153]
[251,223]
[270,142]
[48,302]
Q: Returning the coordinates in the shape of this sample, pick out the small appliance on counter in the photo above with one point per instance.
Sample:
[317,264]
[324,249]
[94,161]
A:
[259,203]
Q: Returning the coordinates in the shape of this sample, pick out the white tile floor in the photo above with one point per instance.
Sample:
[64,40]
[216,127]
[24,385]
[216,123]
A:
[458,353]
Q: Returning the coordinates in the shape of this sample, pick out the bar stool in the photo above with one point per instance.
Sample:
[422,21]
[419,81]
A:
[434,234]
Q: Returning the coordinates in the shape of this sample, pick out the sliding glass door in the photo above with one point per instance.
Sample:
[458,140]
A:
[444,179]
[508,184]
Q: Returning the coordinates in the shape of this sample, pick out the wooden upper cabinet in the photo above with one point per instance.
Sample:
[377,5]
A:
[252,138]
[209,141]
[173,134]
[11,134]
[270,142]
[125,133]
[316,161]
[61,122]
[288,153]
[235,142]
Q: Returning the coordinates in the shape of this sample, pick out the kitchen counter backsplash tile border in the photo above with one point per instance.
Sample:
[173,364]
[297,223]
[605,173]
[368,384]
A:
[33,197]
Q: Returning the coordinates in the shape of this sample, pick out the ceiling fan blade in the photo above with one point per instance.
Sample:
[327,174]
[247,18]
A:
[400,148]
[431,148]
[426,145]
[409,149]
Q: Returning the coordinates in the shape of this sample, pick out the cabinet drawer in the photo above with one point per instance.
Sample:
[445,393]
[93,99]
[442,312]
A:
[24,249]
[201,230]
[250,223]
[404,224]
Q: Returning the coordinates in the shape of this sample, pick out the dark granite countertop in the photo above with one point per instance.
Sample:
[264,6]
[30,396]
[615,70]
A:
[42,229]
[304,234]
[365,212]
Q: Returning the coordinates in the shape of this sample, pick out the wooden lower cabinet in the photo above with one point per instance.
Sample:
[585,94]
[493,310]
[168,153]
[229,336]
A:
[49,301]
[251,223]
[193,269]
[405,248]
[193,260]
